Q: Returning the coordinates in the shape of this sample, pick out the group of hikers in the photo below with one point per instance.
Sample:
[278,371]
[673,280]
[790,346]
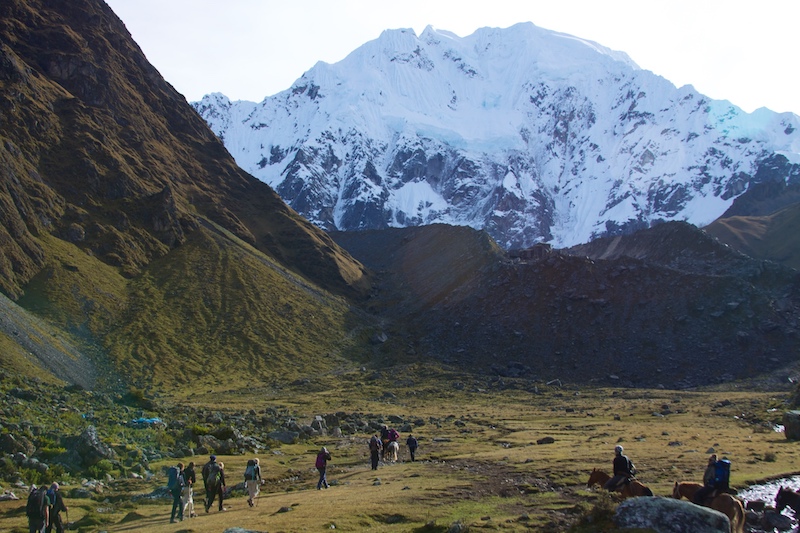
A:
[45,505]
[181,482]
[43,509]
[716,477]
[386,442]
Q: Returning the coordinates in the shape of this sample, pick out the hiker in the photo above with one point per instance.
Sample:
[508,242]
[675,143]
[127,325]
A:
[38,510]
[189,476]
[412,444]
[623,470]
[175,484]
[252,479]
[205,472]
[56,506]
[187,496]
[215,484]
[384,440]
[375,447]
[322,465]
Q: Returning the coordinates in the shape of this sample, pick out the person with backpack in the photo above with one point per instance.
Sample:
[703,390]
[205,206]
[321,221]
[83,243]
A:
[175,484]
[206,473]
[623,470]
[252,479]
[215,484]
[322,466]
[56,506]
[412,444]
[38,510]
[375,447]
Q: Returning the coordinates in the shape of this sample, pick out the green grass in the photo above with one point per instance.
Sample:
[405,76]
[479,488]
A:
[479,465]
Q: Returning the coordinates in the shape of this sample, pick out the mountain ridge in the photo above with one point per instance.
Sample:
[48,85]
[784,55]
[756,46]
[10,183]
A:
[532,135]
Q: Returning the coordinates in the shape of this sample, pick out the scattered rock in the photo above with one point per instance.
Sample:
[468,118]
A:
[667,515]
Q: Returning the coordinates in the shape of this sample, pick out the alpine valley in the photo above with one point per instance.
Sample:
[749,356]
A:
[528,285]
[531,135]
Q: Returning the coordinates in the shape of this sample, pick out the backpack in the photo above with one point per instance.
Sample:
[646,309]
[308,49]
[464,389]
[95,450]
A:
[35,508]
[213,475]
[374,444]
[321,460]
[250,471]
[174,478]
[722,474]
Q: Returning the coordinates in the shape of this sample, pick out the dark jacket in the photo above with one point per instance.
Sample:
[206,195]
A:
[189,477]
[623,466]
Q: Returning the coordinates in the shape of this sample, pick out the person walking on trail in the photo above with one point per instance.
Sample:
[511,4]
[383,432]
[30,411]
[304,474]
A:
[322,466]
[252,480]
[212,475]
[623,470]
[215,486]
[412,444]
[56,506]
[187,496]
[37,509]
[375,446]
[175,484]
[384,440]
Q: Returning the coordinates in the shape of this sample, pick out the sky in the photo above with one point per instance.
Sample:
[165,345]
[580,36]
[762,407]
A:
[743,52]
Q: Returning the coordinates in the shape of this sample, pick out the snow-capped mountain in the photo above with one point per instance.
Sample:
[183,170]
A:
[532,135]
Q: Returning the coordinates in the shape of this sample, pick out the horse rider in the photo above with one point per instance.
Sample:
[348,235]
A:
[709,481]
[623,470]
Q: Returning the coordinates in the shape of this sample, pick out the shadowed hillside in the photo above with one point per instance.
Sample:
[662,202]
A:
[666,306]
[111,189]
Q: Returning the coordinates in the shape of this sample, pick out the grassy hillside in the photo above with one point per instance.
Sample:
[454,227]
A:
[213,312]
[773,237]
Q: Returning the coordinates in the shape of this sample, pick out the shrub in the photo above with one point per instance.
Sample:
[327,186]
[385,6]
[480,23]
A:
[99,470]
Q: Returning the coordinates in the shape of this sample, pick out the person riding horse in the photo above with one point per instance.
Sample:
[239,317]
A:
[623,470]
[715,480]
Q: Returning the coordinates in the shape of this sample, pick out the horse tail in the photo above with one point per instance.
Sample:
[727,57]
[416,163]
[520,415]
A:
[646,491]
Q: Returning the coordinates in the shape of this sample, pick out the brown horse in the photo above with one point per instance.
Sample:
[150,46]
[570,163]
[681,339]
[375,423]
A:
[723,502]
[629,490]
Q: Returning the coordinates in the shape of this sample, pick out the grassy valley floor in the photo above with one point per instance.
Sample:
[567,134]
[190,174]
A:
[507,456]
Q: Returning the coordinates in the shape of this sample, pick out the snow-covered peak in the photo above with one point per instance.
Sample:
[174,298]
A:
[531,134]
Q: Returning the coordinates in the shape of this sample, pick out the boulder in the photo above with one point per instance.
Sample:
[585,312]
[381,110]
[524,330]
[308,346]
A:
[11,445]
[285,437]
[91,449]
[667,515]
[791,424]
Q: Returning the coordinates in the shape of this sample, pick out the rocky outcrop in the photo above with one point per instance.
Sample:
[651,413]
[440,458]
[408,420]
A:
[791,425]
[667,515]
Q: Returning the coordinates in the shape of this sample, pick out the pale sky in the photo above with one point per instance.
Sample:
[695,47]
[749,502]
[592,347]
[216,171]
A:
[745,52]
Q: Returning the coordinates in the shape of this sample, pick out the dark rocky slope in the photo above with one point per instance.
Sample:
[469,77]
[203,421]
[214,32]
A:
[666,306]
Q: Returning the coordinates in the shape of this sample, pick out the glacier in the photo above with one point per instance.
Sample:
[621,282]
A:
[530,134]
